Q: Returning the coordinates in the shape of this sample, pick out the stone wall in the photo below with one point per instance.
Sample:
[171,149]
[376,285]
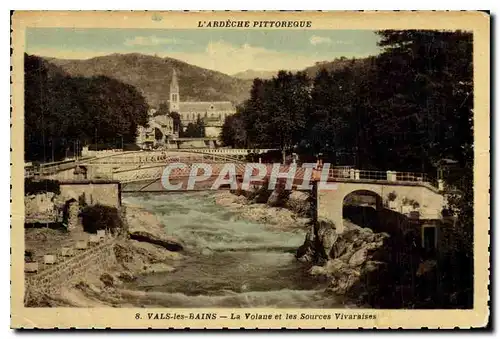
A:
[93,261]
[105,192]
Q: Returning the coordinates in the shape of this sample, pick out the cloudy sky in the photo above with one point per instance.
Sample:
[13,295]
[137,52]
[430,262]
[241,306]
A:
[227,51]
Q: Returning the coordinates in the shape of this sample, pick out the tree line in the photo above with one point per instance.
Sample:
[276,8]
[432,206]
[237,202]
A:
[64,113]
[404,109]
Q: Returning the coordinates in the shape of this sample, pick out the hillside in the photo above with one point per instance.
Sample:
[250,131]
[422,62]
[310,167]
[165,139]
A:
[151,75]
[311,71]
[251,74]
[336,65]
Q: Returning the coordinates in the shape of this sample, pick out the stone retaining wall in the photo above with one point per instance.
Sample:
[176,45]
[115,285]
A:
[92,261]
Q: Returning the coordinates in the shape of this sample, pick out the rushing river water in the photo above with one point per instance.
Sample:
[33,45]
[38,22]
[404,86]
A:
[229,262]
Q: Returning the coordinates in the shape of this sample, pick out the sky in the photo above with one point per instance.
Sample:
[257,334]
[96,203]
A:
[224,50]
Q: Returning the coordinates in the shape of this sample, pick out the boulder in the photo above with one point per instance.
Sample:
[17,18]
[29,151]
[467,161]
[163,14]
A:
[349,251]
[274,199]
[332,267]
[153,253]
[159,268]
[126,276]
[327,236]
[145,226]
[317,270]
[299,202]
[306,252]
[345,279]
[168,243]
[339,248]
[359,257]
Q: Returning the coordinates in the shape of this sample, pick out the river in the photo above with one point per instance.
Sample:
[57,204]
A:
[229,262]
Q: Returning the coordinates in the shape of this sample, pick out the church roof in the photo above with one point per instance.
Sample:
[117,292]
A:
[206,106]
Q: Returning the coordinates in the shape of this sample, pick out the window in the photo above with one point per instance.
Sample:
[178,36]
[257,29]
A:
[174,97]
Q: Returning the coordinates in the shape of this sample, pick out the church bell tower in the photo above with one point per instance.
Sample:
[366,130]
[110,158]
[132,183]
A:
[174,93]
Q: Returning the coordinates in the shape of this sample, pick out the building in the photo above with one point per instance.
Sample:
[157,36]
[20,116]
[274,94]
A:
[213,113]
[159,129]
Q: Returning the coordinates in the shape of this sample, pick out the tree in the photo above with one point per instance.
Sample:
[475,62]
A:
[158,134]
[287,109]
[200,127]
[176,121]
[275,114]
[233,131]
[62,112]
[424,96]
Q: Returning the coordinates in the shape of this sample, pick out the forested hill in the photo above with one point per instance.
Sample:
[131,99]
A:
[337,65]
[151,76]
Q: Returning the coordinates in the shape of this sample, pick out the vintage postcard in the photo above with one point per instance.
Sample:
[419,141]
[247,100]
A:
[250,170]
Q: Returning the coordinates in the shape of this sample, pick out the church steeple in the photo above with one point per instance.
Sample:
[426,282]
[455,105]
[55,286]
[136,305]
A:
[174,93]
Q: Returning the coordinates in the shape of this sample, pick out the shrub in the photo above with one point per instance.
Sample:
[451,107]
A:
[392,196]
[99,217]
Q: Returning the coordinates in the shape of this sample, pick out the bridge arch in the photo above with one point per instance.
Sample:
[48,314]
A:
[362,207]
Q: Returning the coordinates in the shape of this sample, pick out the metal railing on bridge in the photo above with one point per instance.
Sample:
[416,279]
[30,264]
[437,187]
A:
[143,159]
[48,168]
[390,176]
[334,174]
[30,170]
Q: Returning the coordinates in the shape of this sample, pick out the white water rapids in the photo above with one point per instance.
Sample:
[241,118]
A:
[229,262]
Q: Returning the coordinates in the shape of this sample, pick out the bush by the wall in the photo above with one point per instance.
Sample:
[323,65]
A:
[99,217]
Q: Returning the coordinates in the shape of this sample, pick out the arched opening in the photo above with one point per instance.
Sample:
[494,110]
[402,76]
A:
[362,207]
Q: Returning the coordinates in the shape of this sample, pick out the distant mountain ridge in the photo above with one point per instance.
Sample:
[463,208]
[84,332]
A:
[311,71]
[337,65]
[151,75]
[251,74]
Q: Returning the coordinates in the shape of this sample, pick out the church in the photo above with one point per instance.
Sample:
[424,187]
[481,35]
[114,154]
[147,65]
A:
[213,113]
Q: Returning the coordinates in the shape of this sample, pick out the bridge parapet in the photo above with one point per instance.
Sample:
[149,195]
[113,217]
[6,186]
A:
[390,176]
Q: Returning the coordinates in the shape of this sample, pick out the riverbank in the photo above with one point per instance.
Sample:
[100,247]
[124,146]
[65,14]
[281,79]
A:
[277,218]
[145,249]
